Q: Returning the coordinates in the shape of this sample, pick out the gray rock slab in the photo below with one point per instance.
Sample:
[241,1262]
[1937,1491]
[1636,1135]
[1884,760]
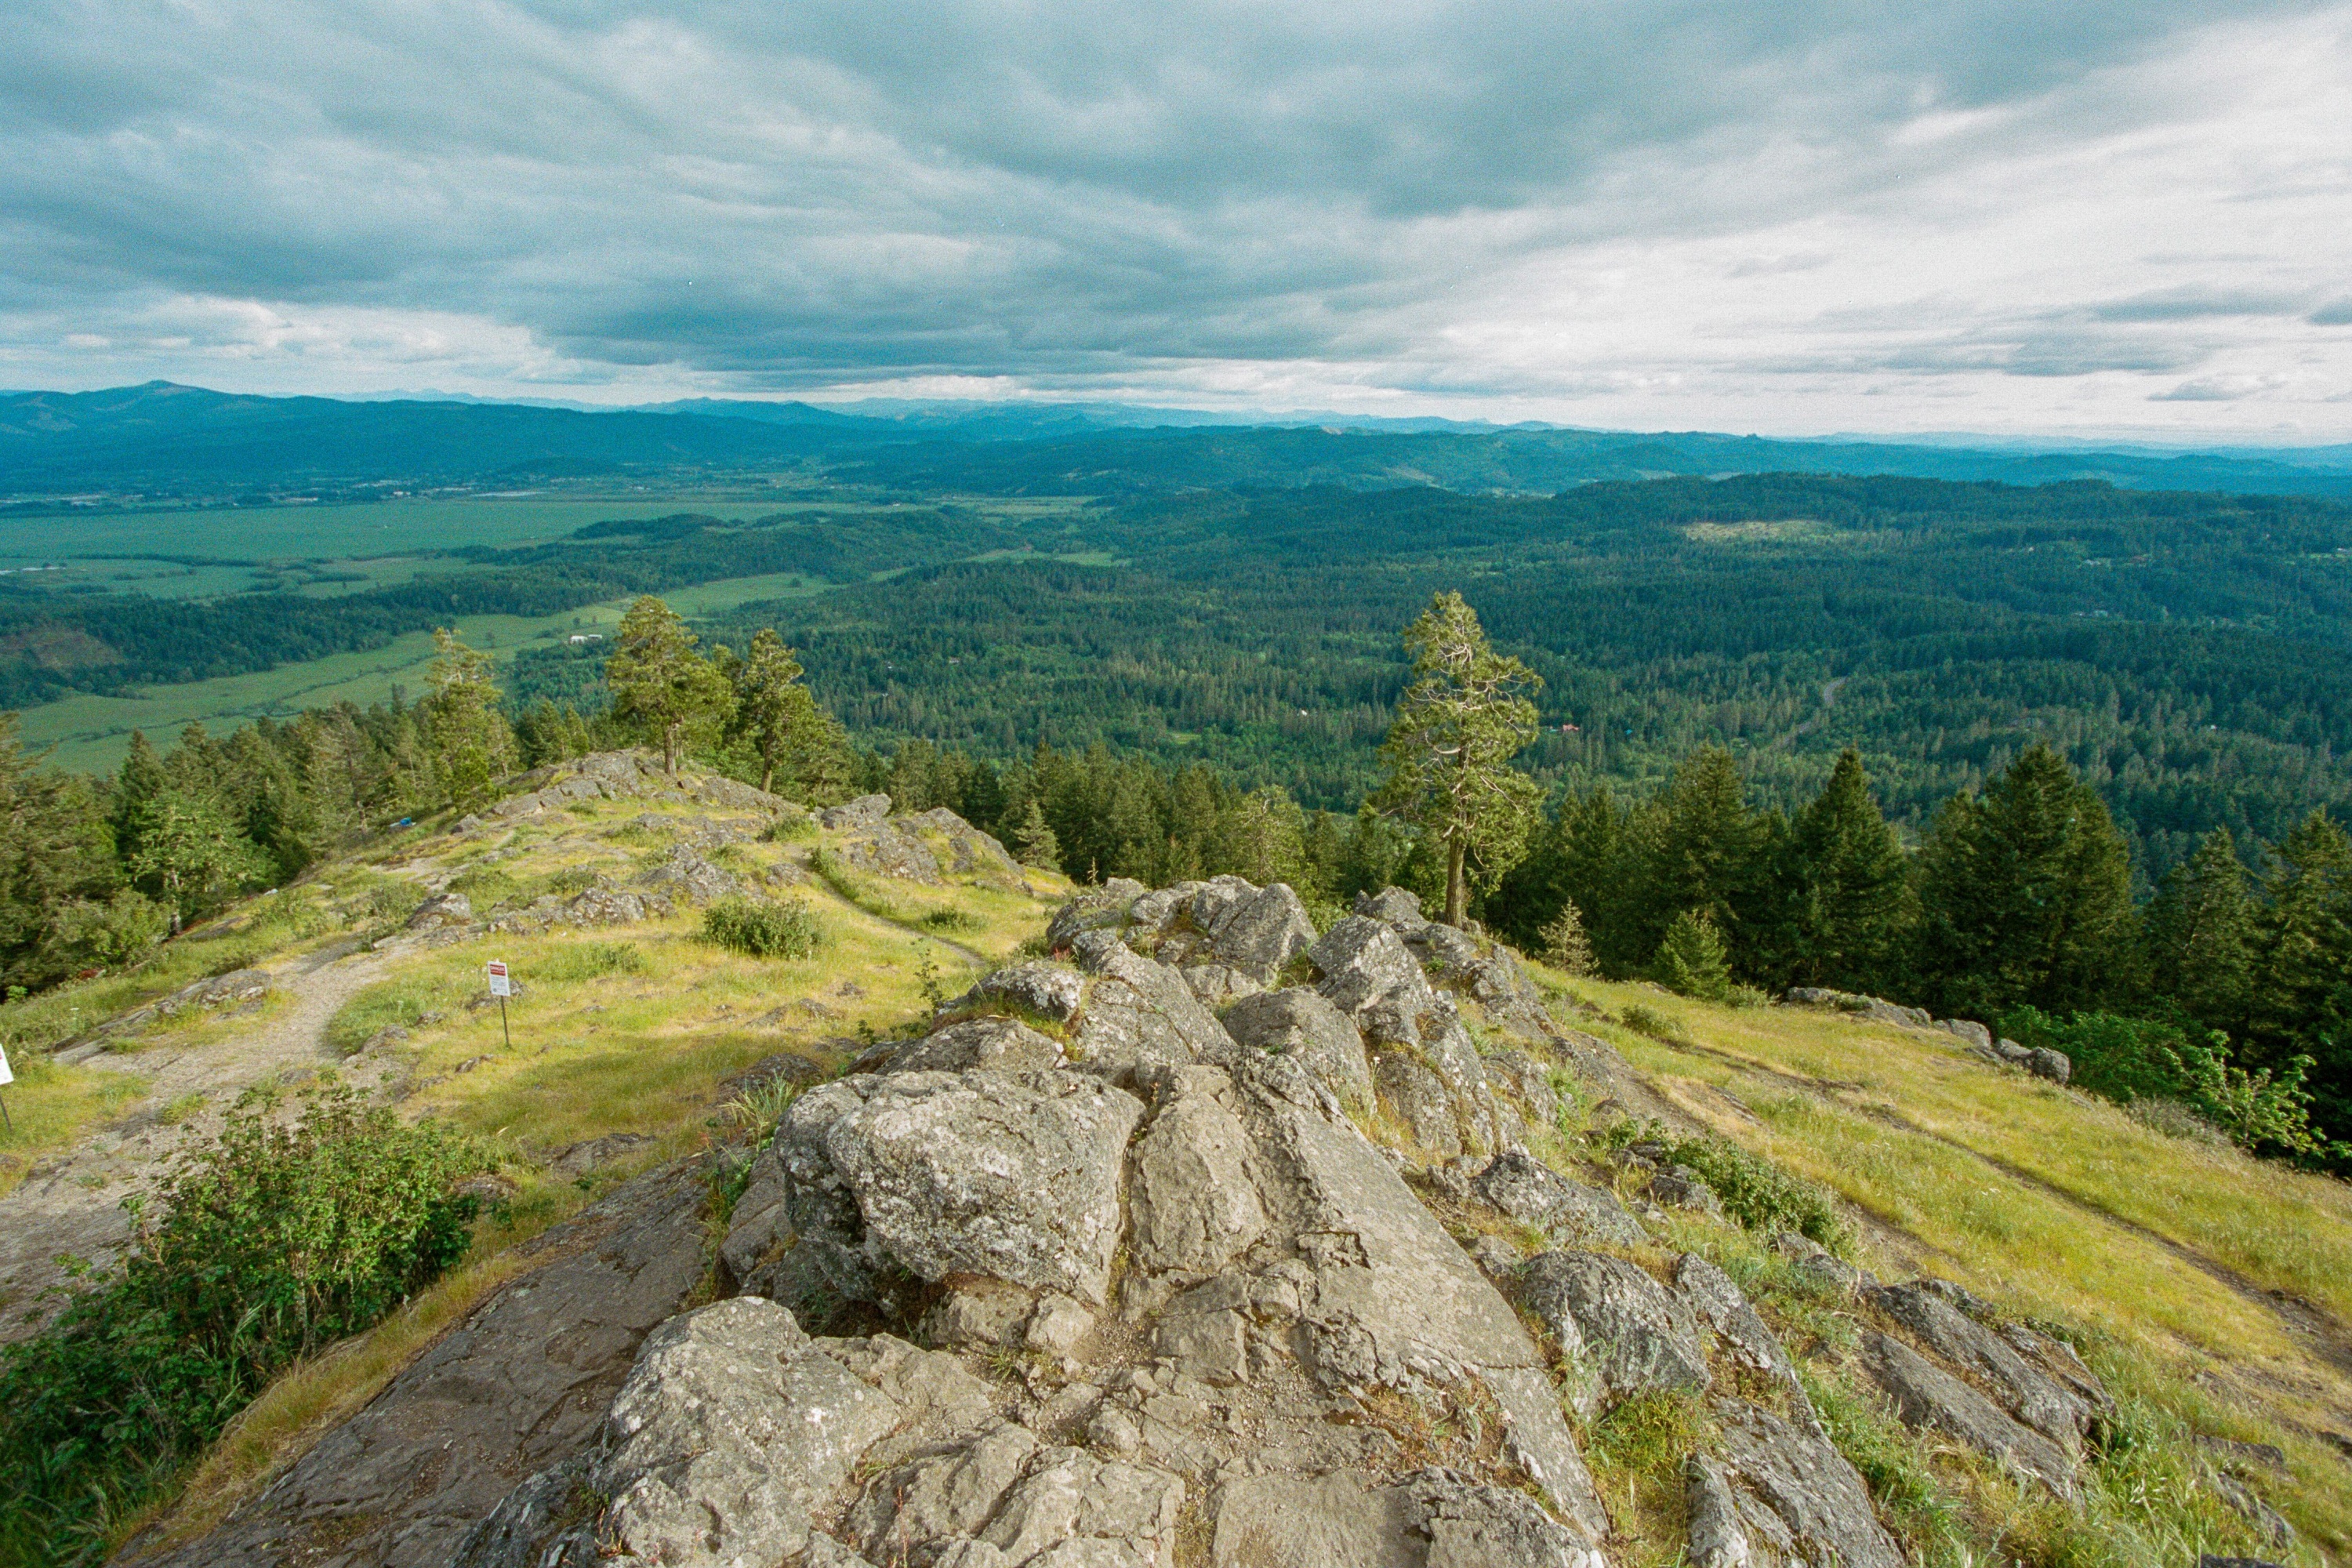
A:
[1723,1306]
[1261,932]
[2025,1391]
[1796,1493]
[1634,1332]
[1925,1394]
[1304,1024]
[1529,1191]
[1139,1015]
[1012,1176]
[1192,1201]
[1045,989]
[1002,1044]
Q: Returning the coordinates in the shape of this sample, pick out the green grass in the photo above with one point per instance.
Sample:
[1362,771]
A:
[51,1107]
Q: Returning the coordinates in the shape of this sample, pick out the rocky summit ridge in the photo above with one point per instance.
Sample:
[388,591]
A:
[1205,1239]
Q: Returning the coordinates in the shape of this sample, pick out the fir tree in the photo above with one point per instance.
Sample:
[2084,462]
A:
[2200,930]
[1692,960]
[1852,905]
[660,685]
[1449,751]
[191,854]
[2025,895]
[1706,848]
[2302,983]
[472,745]
[777,720]
[1565,946]
[1034,842]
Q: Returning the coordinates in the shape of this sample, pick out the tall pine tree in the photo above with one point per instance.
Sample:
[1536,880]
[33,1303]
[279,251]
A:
[1852,905]
[2025,896]
[2201,937]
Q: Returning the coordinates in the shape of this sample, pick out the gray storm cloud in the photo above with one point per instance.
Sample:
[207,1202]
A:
[1524,202]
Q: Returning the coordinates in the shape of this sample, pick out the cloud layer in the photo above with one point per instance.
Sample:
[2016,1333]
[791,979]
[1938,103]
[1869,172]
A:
[1780,216]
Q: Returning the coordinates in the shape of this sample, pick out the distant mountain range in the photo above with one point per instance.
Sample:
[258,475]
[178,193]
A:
[162,439]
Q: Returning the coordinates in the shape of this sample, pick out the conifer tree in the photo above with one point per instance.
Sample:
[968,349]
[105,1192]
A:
[1853,902]
[139,779]
[1692,960]
[660,685]
[1565,945]
[2025,896]
[2201,937]
[191,854]
[1034,842]
[472,745]
[777,720]
[1449,751]
[2302,984]
[1703,847]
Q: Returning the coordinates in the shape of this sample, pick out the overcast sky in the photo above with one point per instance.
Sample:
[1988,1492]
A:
[2096,216]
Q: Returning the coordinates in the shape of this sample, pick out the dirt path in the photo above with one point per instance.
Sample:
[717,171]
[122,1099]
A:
[72,1203]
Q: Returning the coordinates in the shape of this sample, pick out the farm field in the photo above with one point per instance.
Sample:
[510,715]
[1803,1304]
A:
[90,733]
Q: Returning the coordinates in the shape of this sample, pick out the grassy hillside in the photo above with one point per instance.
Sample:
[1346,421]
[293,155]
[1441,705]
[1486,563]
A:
[2211,1292]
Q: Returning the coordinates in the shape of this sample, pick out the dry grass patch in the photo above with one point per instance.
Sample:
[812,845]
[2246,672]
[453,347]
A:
[52,1105]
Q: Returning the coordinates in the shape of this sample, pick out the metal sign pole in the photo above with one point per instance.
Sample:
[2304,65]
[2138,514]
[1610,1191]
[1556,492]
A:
[503,1030]
[7,1077]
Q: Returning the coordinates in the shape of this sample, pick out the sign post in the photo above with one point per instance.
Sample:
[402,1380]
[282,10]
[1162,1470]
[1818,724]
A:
[502,987]
[7,1078]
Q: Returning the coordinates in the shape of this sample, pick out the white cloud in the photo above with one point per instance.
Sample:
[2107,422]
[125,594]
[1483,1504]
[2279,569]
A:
[1772,216]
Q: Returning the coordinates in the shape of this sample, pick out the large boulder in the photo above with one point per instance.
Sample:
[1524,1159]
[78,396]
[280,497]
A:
[1633,1332]
[1194,1204]
[1009,1176]
[1041,989]
[1261,932]
[1362,964]
[730,1436]
[1532,1193]
[999,1044]
[1094,908]
[1303,1025]
[863,812]
[1140,1017]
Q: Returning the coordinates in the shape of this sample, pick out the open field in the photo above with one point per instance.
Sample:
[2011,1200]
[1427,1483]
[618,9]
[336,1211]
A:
[91,733]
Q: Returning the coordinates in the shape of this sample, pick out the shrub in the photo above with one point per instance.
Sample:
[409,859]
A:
[1655,1026]
[764,928]
[86,935]
[275,1239]
[789,826]
[1757,1193]
[952,919]
[2132,1059]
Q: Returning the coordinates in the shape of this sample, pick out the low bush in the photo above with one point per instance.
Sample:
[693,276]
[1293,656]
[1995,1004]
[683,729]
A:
[952,919]
[784,927]
[267,1242]
[1755,1191]
[2137,1059]
[1655,1024]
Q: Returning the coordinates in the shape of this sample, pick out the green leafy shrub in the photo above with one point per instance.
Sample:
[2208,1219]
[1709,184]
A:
[274,1239]
[2128,1060]
[1755,1191]
[789,826]
[763,928]
[952,919]
[87,935]
[1655,1024]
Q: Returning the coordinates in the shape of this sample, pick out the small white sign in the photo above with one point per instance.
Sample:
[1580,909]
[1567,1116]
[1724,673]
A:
[499,984]
[6,1076]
